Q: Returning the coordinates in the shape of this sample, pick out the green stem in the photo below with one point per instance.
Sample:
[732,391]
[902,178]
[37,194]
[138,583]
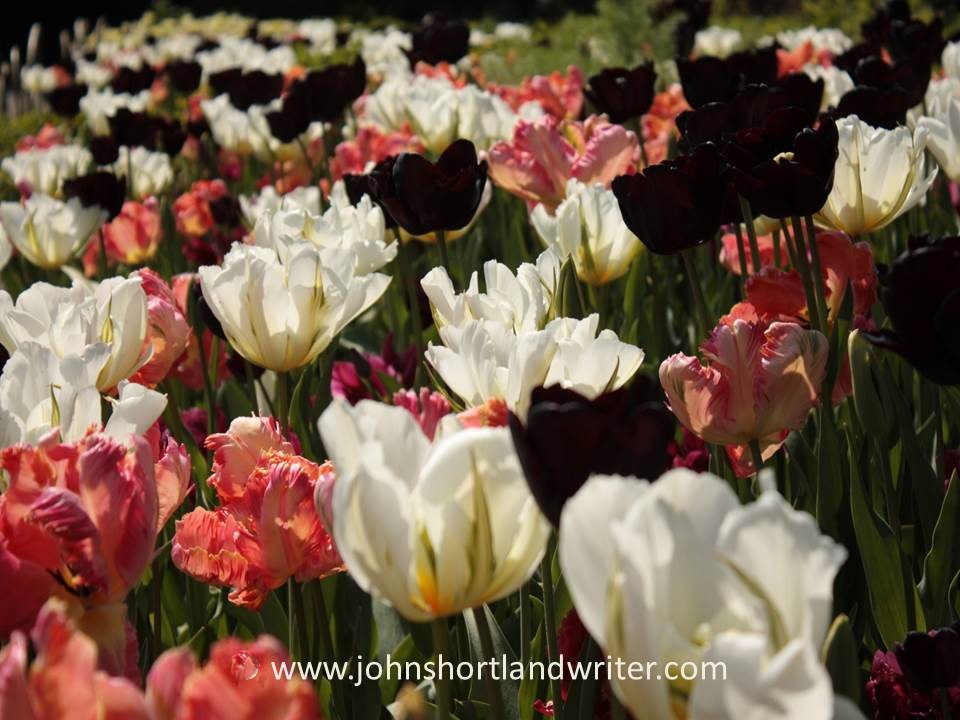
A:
[742,253]
[945,707]
[699,302]
[938,430]
[776,249]
[757,455]
[297,626]
[282,399]
[747,212]
[817,271]
[550,621]
[803,267]
[328,650]
[445,254]
[525,624]
[409,283]
[157,607]
[441,683]
[486,647]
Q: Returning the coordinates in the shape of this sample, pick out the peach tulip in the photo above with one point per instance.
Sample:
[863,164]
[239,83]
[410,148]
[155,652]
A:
[64,681]
[168,331]
[133,236]
[237,683]
[730,253]
[80,521]
[192,209]
[559,95]
[371,145]
[761,382]
[547,152]
[266,529]
[660,123]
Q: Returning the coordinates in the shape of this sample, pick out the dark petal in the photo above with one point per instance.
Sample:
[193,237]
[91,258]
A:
[803,92]
[916,658]
[184,75]
[105,149]
[204,314]
[622,94]
[65,101]
[103,189]
[128,80]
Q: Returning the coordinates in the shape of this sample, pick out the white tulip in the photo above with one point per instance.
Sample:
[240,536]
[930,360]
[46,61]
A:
[43,170]
[38,79]
[243,53]
[951,60]
[40,391]
[98,106]
[49,232]
[636,558]
[716,41]
[523,301]
[383,51]
[305,198]
[360,229]
[943,126]
[68,320]
[832,40]
[431,527]
[431,106]
[483,118]
[589,228]
[880,174]
[152,171]
[484,359]
[93,74]
[281,307]
[247,132]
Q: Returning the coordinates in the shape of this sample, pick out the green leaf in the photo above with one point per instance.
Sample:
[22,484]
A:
[582,694]
[943,561]
[508,688]
[882,563]
[841,658]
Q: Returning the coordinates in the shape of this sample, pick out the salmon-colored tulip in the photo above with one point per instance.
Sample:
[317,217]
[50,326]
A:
[64,681]
[168,331]
[559,95]
[730,253]
[80,521]
[547,152]
[237,683]
[761,382]
[134,235]
[267,529]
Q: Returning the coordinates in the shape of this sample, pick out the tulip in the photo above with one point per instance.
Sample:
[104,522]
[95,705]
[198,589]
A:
[370,145]
[49,232]
[99,106]
[622,94]
[43,170]
[716,41]
[320,95]
[195,210]
[483,359]
[567,437]
[151,172]
[589,229]
[770,255]
[761,383]
[268,200]
[79,521]
[359,229]
[64,679]
[66,320]
[168,332]
[658,204]
[281,308]
[558,94]
[943,126]
[880,175]
[461,530]
[659,125]
[524,301]
[99,189]
[633,555]
[424,197]
[547,152]
[919,294]
[439,40]
[132,238]
[950,59]
[710,79]
[836,83]
[266,529]
[237,683]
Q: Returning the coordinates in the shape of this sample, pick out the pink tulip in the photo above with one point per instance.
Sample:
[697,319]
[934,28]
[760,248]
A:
[429,408]
[169,331]
[660,123]
[64,681]
[237,683]
[730,253]
[79,521]
[761,382]
[48,137]
[547,152]
[371,145]
[267,529]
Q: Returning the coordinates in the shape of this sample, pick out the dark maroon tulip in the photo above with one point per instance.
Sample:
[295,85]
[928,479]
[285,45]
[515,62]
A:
[879,108]
[921,295]
[247,88]
[153,132]
[439,39]
[422,196]
[848,60]
[102,188]
[931,660]
[65,100]
[105,149]
[712,79]
[677,204]
[622,94]
[911,76]
[321,95]
[567,438]
[750,108]
[789,179]
[184,75]
[128,80]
